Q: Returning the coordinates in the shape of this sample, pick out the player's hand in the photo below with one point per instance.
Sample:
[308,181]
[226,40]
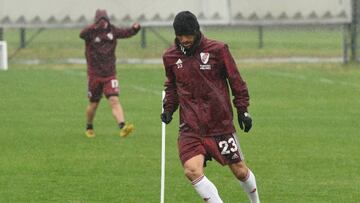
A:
[136,26]
[92,27]
[245,121]
[166,117]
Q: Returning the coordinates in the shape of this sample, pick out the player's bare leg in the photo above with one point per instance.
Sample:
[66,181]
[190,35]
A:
[193,168]
[90,115]
[117,109]
[247,180]
[194,171]
[118,113]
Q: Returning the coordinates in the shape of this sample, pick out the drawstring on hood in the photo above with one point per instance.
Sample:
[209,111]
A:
[189,51]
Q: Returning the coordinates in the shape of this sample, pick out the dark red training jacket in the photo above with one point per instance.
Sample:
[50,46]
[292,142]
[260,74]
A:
[100,46]
[199,84]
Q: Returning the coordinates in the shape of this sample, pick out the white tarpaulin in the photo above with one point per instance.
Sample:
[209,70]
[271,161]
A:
[39,13]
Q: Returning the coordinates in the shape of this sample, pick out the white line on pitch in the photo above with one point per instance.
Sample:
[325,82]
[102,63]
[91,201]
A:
[322,80]
[143,89]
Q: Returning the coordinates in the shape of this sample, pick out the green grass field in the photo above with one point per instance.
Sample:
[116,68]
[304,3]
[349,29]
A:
[303,147]
[54,44]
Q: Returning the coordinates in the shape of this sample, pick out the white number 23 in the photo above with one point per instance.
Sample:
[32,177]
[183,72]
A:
[228,146]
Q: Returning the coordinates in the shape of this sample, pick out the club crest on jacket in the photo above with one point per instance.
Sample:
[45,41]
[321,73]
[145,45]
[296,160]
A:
[204,57]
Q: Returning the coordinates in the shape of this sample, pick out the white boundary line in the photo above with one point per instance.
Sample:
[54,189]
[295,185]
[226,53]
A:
[143,89]
[321,80]
[158,61]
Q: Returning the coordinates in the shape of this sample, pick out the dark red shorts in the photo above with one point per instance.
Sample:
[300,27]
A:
[225,149]
[97,86]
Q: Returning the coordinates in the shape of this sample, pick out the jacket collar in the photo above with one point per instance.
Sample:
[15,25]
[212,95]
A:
[191,51]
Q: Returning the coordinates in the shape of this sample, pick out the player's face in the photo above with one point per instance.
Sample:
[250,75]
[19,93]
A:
[103,23]
[186,40]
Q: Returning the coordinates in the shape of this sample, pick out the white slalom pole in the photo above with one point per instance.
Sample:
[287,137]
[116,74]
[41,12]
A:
[162,188]
[3,56]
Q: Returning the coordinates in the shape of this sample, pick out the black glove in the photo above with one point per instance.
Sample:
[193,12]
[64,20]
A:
[245,120]
[166,117]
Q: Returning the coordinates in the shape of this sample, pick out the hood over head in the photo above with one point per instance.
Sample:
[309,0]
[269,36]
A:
[185,23]
[101,14]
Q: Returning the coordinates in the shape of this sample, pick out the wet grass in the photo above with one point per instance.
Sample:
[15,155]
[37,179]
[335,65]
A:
[303,147]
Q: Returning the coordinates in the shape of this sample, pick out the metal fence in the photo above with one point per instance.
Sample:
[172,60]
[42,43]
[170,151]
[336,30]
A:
[354,30]
[260,14]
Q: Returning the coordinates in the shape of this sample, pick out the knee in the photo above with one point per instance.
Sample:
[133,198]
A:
[93,105]
[113,100]
[241,173]
[192,173]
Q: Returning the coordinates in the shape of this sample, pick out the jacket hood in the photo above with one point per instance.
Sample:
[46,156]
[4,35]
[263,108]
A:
[101,14]
[185,23]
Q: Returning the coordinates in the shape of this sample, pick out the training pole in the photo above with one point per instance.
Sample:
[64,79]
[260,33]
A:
[162,188]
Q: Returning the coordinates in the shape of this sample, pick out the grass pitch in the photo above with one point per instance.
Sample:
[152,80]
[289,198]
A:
[54,44]
[304,145]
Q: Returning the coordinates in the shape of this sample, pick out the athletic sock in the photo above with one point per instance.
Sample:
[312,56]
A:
[89,126]
[207,190]
[249,186]
[121,125]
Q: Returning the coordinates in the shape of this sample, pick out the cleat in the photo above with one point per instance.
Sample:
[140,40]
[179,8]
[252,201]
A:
[90,133]
[126,130]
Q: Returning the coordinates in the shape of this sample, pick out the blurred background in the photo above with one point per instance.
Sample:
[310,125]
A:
[270,30]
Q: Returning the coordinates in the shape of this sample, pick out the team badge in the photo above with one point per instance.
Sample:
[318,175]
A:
[97,39]
[204,57]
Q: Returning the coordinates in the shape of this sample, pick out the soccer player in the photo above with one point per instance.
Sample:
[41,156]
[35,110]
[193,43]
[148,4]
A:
[100,42]
[199,73]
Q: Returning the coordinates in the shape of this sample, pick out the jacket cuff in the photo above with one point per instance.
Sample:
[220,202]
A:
[242,110]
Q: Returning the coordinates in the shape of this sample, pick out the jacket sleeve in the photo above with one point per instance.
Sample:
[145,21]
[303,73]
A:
[85,33]
[238,86]
[171,100]
[125,32]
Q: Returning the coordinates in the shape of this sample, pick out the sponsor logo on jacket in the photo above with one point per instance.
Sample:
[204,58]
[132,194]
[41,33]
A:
[179,63]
